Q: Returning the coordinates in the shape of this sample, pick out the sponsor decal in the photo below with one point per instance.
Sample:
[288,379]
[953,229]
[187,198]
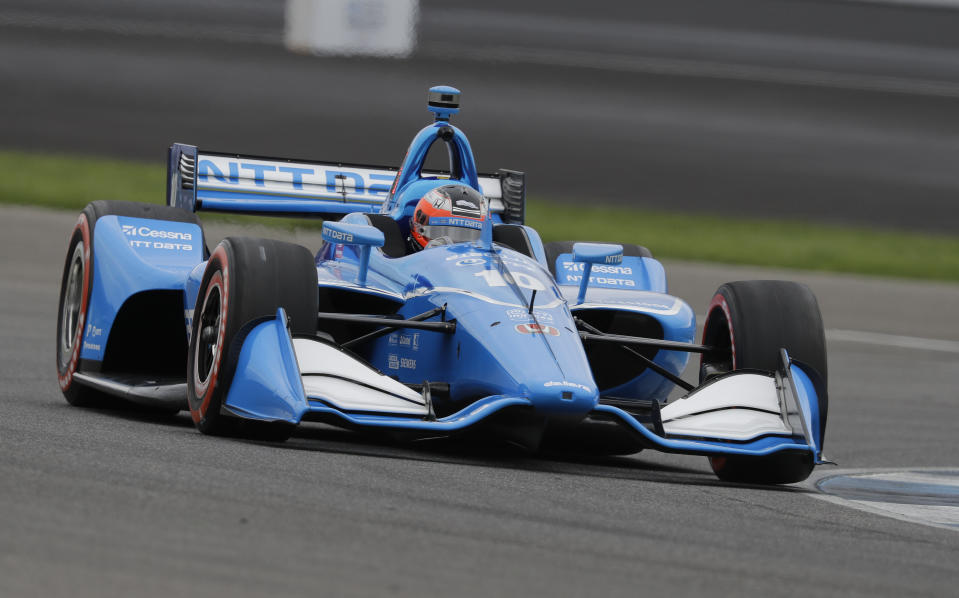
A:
[440,202]
[602,280]
[91,346]
[523,315]
[532,328]
[93,331]
[395,362]
[339,235]
[598,268]
[145,231]
[470,261]
[453,221]
[407,341]
[609,275]
[146,237]
[222,173]
[567,384]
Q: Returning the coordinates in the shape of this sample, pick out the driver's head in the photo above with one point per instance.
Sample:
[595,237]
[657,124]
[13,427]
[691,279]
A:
[449,214]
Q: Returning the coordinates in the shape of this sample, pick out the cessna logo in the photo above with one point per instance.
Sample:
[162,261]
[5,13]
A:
[537,329]
[145,231]
[598,268]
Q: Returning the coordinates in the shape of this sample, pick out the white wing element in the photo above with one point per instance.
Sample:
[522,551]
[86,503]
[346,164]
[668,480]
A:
[736,407]
[349,384]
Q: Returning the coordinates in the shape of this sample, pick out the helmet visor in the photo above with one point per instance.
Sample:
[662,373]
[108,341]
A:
[456,234]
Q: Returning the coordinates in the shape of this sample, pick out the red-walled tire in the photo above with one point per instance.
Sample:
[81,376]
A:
[245,279]
[748,322]
[75,288]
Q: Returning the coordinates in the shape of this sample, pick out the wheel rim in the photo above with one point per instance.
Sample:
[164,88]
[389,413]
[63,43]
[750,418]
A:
[72,301]
[718,333]
[208,330]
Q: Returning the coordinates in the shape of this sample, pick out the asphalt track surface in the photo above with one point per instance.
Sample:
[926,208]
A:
[121,503]
[822,110]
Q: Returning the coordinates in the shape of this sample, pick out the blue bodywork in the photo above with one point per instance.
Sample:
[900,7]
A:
[130,256]
[516,346]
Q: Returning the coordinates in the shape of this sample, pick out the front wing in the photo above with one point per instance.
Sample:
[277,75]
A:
[280,378]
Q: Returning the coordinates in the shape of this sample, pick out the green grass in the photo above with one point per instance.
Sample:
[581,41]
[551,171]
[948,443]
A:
[777,243]
[69,182]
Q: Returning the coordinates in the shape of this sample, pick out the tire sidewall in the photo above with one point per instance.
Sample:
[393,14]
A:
[67,367]
[205,396]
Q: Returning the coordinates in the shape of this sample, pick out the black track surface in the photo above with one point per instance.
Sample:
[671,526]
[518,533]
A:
[118,503]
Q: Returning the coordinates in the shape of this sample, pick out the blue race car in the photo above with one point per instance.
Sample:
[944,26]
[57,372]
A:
[431,309]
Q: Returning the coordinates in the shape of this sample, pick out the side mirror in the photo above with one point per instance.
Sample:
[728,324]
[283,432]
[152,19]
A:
[363,235]
[594,253]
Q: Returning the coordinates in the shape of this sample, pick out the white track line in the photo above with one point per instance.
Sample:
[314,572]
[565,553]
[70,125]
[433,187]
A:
[882,339]
[943,516]
[892,340]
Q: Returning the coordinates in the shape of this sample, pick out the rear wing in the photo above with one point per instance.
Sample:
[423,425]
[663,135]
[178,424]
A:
[217,182]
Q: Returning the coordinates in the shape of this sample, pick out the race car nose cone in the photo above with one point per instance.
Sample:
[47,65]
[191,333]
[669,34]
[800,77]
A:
[563,398]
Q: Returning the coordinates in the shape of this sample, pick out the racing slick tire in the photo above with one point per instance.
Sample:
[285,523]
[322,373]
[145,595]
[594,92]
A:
[554,249]
[245,279]
[76,285]
[749,322]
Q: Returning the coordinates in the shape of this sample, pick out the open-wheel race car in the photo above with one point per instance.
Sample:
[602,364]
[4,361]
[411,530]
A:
[430,309]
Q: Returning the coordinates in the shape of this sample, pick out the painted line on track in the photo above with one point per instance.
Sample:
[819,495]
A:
[882,339]
[924,495]
[892,340]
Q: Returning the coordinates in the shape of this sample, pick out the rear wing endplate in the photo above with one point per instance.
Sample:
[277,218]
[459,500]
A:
[217,182]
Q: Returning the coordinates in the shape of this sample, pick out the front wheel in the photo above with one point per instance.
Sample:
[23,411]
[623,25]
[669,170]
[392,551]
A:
[748,322]
[75,288]
[245,279]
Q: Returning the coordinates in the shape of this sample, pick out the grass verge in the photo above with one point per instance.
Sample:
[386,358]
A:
[70,182]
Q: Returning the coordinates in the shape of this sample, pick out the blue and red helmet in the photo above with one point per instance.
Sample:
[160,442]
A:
[454,213]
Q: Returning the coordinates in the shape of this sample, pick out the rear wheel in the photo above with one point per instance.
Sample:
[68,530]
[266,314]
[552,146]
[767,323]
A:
[245,279]
[749,322]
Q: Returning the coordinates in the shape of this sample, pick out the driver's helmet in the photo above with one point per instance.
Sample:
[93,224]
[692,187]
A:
[449,214]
